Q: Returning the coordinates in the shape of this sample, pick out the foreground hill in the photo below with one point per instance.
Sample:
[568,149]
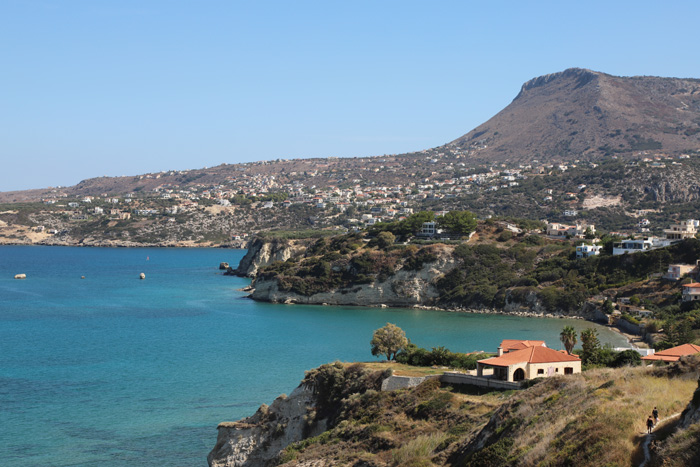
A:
[582,113]
[338,417]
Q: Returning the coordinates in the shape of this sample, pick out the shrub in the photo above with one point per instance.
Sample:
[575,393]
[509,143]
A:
[505,236]
[625,358]
[418,451]
[433,406]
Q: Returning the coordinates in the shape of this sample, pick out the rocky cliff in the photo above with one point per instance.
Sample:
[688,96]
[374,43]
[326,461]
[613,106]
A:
[258,440]
[404,288]
[263,252]
[314,406]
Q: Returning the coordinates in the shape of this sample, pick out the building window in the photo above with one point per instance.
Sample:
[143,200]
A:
[568,370]
[540,371]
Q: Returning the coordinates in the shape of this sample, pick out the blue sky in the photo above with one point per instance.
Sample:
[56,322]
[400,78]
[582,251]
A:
[91,88]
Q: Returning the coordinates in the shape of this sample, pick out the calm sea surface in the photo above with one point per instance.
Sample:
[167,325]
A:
[111,370]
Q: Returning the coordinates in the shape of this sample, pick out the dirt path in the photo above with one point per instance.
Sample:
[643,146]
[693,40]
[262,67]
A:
[650,437]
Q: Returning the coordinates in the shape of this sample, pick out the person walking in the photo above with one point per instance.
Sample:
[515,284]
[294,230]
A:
[650,424]
[655,413]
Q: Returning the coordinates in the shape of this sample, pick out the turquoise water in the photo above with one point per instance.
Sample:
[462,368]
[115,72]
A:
[111,370]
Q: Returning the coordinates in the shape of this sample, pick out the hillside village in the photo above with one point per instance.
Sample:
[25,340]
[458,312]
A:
[342,194]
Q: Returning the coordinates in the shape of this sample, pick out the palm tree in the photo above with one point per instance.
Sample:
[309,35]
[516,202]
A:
[568,338]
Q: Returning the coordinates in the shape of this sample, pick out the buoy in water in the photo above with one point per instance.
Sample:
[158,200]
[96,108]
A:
[142,276]
[82,277]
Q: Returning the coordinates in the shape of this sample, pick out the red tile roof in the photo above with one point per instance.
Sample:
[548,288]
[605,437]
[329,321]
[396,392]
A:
[531,355]
[692,284]
[675,353]
[516,344]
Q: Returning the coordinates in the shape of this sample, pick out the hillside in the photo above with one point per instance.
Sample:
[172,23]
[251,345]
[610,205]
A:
[338,417]
[495,269]
[582,113]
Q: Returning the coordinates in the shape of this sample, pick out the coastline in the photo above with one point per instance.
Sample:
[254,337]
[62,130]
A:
[232,246]
[635,341]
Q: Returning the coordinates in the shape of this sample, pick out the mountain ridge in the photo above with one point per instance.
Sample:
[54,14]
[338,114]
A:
[583,113]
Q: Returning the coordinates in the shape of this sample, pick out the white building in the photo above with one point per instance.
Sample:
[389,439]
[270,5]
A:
[584,251]
[428,229]
[577,230]
[638,245]
[682,230]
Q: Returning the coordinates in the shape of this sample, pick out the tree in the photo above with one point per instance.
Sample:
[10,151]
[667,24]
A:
[608,307]
[627,358]
[388,341]
[385,240]
[413,223]
[568,338]
[591,346]
[458,222]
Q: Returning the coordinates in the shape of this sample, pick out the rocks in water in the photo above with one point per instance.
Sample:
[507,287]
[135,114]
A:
[142,276]
[20,276]
[224,265]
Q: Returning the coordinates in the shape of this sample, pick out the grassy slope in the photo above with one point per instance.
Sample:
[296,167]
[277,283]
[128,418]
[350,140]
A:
[596,418]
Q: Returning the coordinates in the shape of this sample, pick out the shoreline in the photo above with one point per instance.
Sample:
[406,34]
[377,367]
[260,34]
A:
[633,340]
[138,245]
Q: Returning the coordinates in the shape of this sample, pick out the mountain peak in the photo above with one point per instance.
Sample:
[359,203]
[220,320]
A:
[580,113]
[582,76]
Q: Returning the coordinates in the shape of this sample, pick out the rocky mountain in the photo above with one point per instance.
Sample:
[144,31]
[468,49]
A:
[582,113]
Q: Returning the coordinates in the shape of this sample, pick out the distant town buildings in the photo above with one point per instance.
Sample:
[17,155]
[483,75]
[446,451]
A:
[556,229]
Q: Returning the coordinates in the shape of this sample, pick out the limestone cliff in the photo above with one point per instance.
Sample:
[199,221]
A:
[404,288]
[257,440]
[262,252]
[316,405]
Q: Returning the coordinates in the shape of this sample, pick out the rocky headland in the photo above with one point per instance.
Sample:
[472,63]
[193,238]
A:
[527,275]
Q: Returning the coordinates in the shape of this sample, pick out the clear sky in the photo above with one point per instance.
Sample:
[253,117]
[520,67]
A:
[121,87]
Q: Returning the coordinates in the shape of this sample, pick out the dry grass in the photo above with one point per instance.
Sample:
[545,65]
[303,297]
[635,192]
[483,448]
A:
[418,451]
[597,418]
[401,369]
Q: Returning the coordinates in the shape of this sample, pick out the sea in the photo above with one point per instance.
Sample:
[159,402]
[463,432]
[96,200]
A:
[101,368]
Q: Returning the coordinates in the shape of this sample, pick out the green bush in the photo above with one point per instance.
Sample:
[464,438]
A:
[625,358]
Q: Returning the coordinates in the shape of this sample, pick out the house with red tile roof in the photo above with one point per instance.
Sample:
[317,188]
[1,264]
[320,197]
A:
[508,345]
[673,354]
[531,362]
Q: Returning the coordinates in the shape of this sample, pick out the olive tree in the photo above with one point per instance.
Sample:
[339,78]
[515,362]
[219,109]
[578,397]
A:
[458,222]
[388,340]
